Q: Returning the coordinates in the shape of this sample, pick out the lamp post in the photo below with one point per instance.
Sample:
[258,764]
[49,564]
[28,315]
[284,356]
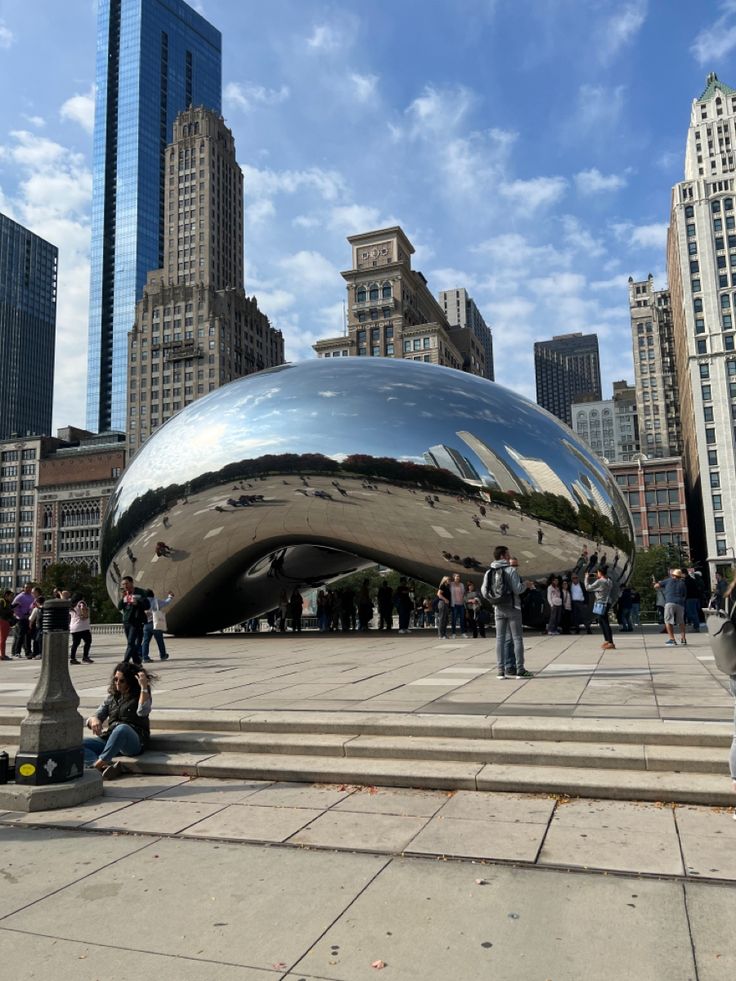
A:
[49,766]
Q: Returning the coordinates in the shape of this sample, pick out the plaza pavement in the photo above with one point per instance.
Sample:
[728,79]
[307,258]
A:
[202,878]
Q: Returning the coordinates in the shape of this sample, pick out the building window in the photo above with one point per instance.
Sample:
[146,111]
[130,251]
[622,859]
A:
[360,295]
[717,502]
[720,546]
[704,371]
[702,347]
[715,479]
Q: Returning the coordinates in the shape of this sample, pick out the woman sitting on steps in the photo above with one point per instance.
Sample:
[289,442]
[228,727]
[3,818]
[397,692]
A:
[126,710]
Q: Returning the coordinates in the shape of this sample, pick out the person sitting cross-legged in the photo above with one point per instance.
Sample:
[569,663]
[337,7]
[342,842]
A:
[125,710]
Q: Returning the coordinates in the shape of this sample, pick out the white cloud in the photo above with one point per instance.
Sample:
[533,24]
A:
[599,107]
[539,192]
[328,184]
[364,86]
[6,35]
[653,236]
[306,221]
[514,251]
[37,121]
[439,112]
[350,219]
[719,39]
[593,181]
[310,271]
[325,37]
[80,109]
[617,283]
[258,211]
[247,96]
[621,28]
[580,239]
[53,200]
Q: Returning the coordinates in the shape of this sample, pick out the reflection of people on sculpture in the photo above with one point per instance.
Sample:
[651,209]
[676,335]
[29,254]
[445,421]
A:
[163,551]
[540,536]
[126,710]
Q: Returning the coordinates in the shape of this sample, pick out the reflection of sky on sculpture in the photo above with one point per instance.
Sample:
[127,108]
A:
[351,406]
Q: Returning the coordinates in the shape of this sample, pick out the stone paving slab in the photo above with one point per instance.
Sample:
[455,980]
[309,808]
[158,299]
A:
[708,908]
[244,822]
[614,849]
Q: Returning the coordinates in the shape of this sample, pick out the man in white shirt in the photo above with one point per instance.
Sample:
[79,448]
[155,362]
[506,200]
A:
[580,609]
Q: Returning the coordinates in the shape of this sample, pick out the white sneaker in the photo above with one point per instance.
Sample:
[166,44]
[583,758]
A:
[466,636]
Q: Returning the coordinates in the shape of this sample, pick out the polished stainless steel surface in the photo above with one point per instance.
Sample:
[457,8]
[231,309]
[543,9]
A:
[305,472]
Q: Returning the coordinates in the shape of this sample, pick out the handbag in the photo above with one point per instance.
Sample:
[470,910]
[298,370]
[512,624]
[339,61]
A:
[159,620]
[599,608]
[722,632]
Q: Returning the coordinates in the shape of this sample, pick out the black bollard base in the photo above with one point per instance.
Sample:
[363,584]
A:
[51,767]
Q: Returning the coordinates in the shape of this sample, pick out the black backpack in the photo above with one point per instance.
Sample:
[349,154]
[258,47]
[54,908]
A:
[496,588]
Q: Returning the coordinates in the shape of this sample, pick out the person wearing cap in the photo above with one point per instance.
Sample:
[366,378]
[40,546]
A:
[675,596]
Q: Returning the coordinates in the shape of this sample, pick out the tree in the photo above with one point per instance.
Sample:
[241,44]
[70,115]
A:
[78,579]
[651,563]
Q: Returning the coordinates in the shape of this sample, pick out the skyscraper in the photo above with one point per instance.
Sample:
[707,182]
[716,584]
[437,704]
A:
[701,268]
[567,370]
[655,375]
[461,311]
[195,329]
[610,427]
[27,331]
[154,58]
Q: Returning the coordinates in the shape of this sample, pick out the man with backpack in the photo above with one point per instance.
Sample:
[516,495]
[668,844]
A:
[502,587]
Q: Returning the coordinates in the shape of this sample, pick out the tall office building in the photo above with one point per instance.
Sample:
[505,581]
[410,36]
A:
[391,312]
[701,268]
[195,329]
[655,375]
[27,331]
[461,311]
[154,59]
[567,370]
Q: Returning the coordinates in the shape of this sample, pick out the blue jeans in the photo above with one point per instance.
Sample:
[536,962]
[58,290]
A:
[134,636]
[508,621]
[692,613]
[635,614]
[624,619]
[458,615]
[148,633]
[122,741]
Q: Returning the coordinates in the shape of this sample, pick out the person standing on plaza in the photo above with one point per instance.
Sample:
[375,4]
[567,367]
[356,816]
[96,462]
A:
[675,597]
[35,624]
[155,625]
[475,621]
[283,610]
[635,608]
[566,614]
[404,604]
[79,628]
[457,605]
[7,619]
[296,608]
[133,605]
[554,599]
[503,587]
[22,606]
[601,588]
[365,607]
[623,611]
[580,608]
[694,600]
[385,600]
[443,607]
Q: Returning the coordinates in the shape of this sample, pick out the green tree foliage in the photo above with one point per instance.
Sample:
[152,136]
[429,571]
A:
[79,580]
[654,563]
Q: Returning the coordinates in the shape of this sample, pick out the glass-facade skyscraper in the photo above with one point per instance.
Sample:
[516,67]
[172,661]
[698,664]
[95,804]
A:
[154,59]
[28,267]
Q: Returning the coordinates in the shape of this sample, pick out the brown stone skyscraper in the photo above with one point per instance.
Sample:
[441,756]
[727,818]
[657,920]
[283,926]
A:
[195,328]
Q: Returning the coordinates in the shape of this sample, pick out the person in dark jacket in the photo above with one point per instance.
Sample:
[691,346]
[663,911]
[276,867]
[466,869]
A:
[385,599]
[133,605]
[126,710]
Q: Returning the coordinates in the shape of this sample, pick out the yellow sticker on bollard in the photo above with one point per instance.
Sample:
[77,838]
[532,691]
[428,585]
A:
[27,770]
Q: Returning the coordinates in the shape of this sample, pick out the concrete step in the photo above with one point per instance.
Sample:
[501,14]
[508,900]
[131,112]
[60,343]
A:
[620,784]
[628,756]
[352,724]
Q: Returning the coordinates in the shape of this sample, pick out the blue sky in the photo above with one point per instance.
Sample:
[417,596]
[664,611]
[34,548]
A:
[527,147]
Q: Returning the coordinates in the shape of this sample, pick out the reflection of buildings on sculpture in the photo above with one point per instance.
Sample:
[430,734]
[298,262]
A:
[448,458]
[541,475]
[499,471]
[391,312]
[589,493]
[655,493]
[195,328]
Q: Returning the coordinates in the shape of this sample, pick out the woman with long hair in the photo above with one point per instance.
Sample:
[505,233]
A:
[443,607]
[601,589]
[554,599]
[125,710]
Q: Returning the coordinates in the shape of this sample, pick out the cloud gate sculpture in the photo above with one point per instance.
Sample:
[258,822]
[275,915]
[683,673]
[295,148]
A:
[306,472]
